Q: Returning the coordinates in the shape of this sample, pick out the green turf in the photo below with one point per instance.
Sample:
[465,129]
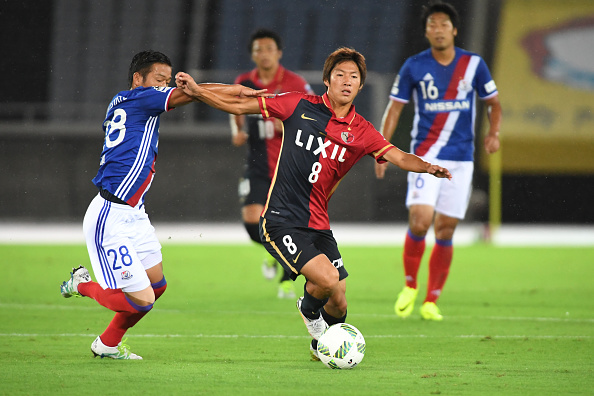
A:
[517,321]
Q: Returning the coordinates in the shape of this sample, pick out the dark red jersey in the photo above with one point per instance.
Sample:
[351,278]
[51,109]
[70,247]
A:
[318,150]
[264,140]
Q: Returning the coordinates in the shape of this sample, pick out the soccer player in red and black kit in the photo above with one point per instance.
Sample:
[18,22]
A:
[323,138]
[264,138]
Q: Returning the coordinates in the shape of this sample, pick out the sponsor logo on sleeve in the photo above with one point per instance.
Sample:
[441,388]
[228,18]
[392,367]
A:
[394,90]
[490,86]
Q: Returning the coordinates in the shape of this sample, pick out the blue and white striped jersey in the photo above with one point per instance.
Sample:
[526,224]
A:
[130,147]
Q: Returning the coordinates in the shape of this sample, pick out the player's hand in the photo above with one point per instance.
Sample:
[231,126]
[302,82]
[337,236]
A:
[182,79]
[186,83]
[278,125]
[492,143]
[440,172]
[380,170]
[246,92]
[239,139]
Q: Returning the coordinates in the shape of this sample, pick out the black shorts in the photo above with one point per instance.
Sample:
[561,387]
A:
[253,190]
[293,247]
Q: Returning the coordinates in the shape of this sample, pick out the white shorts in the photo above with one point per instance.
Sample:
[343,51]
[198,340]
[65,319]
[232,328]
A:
[448,197]
[122,245]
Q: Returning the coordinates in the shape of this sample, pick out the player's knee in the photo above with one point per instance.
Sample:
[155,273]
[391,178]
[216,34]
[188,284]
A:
[446,234]
[141,300]
[342,310]
[445,227]
[139,305]
[420,219]
[159,288]
[336,308]
[146,308]
[253,230]
[419,226]
[328,283]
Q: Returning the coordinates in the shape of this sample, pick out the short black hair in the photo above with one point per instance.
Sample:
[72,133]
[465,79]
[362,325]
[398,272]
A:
[265,33]
[438,6]
[143,61]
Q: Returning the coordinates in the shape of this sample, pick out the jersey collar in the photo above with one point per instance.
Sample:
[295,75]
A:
[348,119]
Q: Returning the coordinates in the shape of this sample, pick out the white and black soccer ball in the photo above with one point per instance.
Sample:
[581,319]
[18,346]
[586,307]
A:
[341,346]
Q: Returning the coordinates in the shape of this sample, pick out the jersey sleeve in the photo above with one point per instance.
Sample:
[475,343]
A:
[375,144]
[403,84]
[155,100]
[280,106]
[485,86]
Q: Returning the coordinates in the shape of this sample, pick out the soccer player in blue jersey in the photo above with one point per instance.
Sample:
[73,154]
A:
[323,138]
[442,81]
[123,249]
[263,138]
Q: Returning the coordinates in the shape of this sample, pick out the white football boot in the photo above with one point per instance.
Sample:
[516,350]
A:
[78,275]
[315,327]
[121,351]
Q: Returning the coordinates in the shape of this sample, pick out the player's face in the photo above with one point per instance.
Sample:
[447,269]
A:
[159,76]
[345,82]
[265,53]
[439,31]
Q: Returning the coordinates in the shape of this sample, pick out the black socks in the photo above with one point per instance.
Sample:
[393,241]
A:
[331,320]
[311,306]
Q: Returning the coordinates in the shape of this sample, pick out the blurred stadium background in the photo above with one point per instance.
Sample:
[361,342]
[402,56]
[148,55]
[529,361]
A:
[65,59]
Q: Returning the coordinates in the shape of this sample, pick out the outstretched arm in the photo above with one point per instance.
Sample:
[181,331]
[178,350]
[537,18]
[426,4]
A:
[412,163]
[389,123]
[234,99]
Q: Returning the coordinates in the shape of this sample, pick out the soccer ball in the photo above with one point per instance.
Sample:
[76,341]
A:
[341,346]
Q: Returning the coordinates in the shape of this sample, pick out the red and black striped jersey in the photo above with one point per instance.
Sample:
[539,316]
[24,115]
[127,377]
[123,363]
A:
[317,151]
[263,139]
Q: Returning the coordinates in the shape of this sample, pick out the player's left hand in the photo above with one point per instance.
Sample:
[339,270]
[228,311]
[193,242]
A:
[440,172]
[492,143]
[239,139]
[246,92]
[380,170]
[278,125]
[185,82]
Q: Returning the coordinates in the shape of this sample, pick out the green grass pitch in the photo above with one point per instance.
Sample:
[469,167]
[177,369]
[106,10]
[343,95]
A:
[517,321]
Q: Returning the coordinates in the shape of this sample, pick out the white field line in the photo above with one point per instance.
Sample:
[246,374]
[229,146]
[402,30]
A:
[17,306]
[284,336]
[359,234]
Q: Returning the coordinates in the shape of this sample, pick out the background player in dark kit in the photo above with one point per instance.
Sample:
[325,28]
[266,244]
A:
[323,138]
[263,137]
